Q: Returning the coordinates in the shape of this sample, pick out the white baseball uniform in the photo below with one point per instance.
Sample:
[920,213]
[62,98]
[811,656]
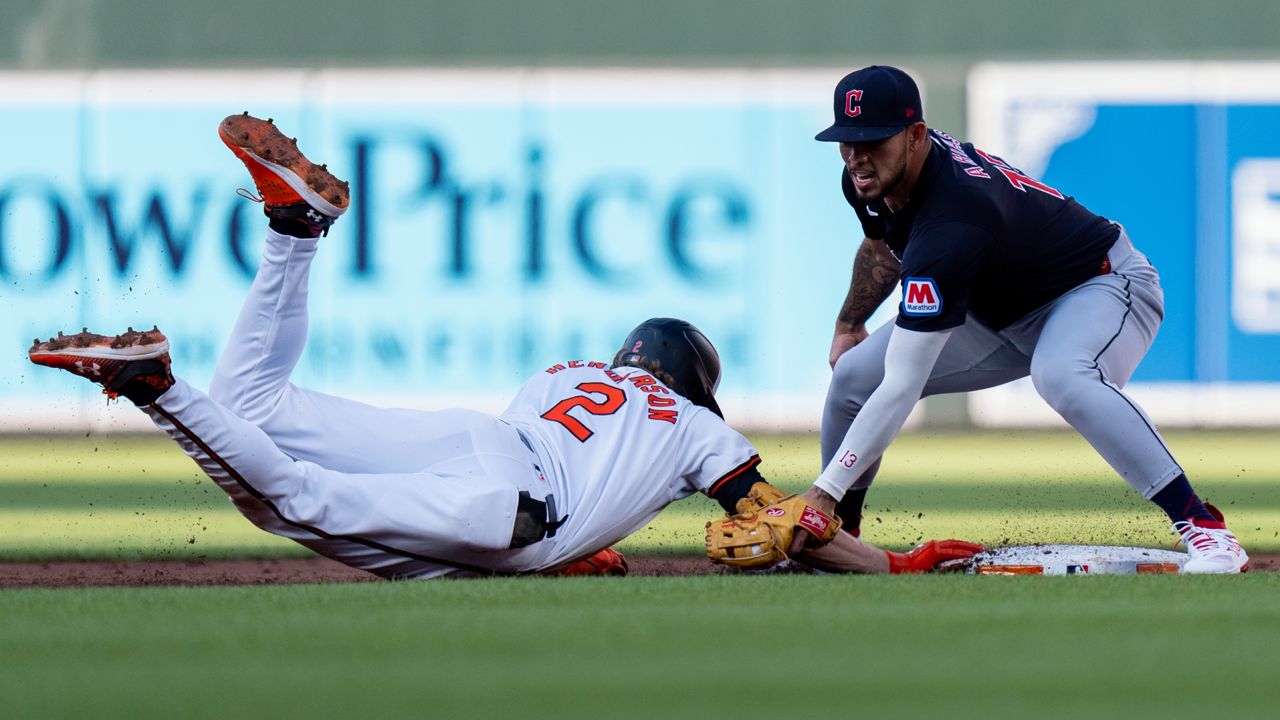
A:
[414,494]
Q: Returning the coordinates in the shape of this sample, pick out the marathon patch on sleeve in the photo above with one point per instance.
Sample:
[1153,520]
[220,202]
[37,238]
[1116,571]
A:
[920,297]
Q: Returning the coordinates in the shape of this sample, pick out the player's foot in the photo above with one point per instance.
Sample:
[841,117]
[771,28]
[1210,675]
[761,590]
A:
[133,364]
[606,562]
[1212,547]
[291,188]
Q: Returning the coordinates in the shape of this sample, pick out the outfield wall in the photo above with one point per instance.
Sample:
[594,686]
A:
[504,220]
[1186,156]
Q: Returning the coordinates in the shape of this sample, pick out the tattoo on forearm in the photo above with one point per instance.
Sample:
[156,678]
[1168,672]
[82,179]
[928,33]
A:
[873,280]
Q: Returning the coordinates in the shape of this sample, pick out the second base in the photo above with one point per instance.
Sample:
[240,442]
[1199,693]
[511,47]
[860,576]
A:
[1070,560]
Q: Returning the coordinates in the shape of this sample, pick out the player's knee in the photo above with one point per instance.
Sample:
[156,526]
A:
[247,404]
[223,392]
[1062,381]
[852,381]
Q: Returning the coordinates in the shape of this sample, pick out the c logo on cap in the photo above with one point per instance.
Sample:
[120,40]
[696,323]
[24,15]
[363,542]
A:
[849,108]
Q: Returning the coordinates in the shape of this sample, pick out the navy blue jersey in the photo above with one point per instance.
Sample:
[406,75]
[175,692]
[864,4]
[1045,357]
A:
[979,236]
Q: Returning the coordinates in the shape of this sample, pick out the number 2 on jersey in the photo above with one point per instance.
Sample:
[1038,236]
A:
[614,398]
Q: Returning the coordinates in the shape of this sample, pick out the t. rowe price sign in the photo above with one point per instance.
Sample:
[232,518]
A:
[1186,157]
[500,221]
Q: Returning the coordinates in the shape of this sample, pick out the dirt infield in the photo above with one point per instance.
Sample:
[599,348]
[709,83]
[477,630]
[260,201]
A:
[249,572]
[295,571]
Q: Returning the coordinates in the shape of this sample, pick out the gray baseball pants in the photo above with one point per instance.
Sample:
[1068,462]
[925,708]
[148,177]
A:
[1079,350]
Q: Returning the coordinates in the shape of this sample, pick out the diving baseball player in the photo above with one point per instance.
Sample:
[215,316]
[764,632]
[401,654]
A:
[1002,276]
[587,452]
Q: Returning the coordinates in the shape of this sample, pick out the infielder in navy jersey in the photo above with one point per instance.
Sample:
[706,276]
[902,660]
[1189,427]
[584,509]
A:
[1002,277]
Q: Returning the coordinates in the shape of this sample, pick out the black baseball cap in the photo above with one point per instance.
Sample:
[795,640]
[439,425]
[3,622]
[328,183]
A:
[873,103]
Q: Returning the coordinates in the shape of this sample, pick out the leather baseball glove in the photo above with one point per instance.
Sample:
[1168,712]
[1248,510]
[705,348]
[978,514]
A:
[760,538]
[761,495]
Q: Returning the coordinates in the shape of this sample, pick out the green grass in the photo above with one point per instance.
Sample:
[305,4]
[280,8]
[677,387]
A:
[705,647]
[783,646]
[139,497]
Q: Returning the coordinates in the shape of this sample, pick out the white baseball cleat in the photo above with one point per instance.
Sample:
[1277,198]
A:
[1213,550]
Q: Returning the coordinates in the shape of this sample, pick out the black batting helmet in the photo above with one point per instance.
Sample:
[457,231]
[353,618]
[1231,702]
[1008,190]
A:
[679,354]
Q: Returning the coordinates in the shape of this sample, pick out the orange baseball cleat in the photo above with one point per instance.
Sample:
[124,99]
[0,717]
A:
[289,185]
[134,364]
[606,562]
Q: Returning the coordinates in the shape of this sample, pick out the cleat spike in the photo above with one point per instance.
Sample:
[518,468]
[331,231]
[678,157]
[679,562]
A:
[271,121]
[60,333]
[245,113]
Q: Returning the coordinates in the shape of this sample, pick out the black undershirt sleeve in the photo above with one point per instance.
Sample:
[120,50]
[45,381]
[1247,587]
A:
[729,492]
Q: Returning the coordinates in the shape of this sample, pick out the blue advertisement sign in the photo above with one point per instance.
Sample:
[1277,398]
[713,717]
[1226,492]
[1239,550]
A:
[1186,157]
[500,222]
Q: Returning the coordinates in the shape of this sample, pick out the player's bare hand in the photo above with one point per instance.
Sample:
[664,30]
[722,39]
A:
[846,336]
[926,557]
[818,498]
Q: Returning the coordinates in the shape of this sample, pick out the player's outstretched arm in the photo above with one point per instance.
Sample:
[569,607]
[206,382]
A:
[758,535]
[909,359]
[849,554]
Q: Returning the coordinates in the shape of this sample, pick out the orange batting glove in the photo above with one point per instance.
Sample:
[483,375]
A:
[926,557]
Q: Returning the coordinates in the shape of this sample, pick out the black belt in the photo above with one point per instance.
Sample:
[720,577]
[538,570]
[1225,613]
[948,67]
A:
[535,519]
